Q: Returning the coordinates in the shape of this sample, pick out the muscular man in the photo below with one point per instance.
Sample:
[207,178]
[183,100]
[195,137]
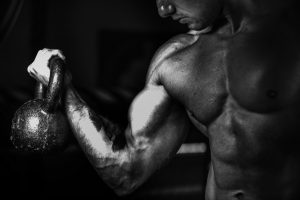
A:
[235,76]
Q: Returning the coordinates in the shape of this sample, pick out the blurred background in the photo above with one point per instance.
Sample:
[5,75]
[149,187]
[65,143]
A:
[108,46]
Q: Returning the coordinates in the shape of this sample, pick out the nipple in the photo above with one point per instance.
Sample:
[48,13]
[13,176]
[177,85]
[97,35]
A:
[239,196]
[272,94]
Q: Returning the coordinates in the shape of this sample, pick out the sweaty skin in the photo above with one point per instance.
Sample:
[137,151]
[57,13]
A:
[237,83]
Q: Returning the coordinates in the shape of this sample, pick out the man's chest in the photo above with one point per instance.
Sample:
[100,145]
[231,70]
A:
[263,70]
[196,77]
[258,72]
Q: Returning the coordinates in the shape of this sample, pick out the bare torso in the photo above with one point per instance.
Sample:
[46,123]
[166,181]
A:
[245,90]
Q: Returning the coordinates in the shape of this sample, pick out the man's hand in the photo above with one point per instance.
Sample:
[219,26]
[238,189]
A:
[39,68]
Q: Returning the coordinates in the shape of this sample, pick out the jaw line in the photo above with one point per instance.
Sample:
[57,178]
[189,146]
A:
[202,31]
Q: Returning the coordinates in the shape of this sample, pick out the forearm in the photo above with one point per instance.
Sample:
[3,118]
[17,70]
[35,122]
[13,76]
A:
[157,128]
[103,143]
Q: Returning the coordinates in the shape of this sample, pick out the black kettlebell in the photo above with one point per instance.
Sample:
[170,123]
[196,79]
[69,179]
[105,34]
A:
[39,125]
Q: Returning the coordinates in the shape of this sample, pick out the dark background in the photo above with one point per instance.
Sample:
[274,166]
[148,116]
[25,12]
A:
[108,46]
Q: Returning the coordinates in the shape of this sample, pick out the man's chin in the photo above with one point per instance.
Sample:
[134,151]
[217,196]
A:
[193,26]
[199,28]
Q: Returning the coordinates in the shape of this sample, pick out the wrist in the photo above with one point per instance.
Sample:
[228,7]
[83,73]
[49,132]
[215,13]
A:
[71,97]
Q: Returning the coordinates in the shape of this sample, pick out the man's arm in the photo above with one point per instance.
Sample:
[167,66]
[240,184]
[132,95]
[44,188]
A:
[125,159]
[157,127]
[157,124]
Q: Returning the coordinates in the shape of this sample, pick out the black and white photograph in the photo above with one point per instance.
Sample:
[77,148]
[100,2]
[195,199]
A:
[150,99]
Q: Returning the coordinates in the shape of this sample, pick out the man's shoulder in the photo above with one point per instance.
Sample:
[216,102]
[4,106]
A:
[167,50]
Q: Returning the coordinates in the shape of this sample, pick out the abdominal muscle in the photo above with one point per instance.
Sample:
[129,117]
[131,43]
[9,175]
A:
[253,156]
[281,185]
[213,192]
[246,165]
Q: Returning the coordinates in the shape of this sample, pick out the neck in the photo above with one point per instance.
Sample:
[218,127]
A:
[235,13]
[241,12]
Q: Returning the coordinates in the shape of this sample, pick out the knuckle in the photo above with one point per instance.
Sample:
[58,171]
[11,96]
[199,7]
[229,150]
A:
[56,52]
[40,52]
[47,54]
[30,67]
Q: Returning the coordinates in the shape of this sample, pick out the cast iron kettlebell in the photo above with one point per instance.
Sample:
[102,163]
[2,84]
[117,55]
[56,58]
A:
[39,125]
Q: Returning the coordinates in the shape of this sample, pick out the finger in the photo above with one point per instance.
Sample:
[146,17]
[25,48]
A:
[39,54]
[58,53]
[53,52]
[31,74]
[29,69]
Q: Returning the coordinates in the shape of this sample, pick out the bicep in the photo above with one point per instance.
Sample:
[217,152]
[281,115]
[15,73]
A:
[158,126]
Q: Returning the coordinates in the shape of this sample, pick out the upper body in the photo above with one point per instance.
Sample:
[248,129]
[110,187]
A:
[237,83]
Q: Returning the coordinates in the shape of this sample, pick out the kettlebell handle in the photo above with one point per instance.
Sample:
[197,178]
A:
[55,85]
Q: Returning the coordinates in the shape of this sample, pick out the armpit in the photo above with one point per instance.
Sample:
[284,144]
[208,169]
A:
[196,123]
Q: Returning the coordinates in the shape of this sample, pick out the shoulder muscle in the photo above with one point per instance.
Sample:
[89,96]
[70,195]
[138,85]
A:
[172,46]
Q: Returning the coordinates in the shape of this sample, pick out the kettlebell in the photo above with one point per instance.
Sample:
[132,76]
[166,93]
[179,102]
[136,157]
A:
[39,125]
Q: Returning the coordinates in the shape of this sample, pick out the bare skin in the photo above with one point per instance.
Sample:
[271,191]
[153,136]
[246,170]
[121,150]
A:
[238,84]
